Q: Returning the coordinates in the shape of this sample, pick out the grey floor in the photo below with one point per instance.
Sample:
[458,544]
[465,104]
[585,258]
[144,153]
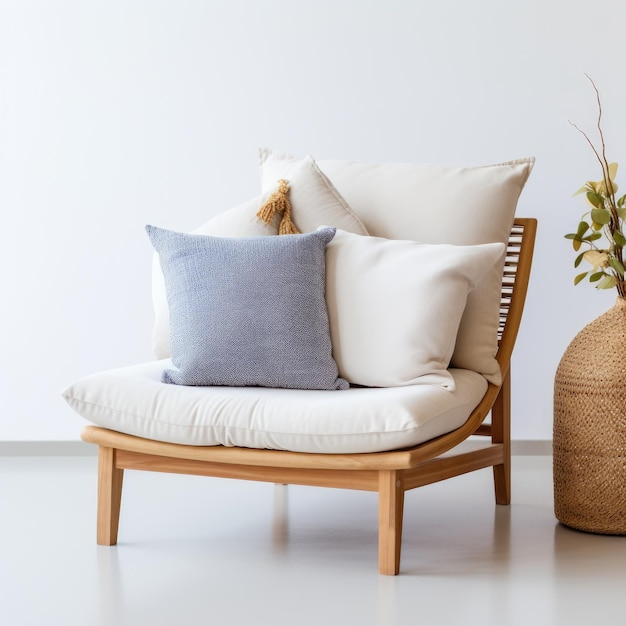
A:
[198,550]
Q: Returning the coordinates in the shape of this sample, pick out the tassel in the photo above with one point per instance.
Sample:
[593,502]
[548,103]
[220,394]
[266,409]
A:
[278,202]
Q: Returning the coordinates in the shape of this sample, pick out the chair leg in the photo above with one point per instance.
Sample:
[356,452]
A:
[501,433]
[390,513]
[109,496]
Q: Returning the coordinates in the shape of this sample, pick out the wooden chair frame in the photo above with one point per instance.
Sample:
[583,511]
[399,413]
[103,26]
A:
[391,474]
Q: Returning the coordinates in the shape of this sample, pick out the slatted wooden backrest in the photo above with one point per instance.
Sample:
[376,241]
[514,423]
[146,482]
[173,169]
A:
[515,280]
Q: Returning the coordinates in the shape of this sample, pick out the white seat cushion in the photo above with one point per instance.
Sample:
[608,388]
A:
[133,400]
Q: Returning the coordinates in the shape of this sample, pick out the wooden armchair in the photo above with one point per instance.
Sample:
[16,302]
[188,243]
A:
[391,474]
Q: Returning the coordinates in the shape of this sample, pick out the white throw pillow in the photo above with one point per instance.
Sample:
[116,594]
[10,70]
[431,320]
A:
[438,204]
[395,306]
[314,199]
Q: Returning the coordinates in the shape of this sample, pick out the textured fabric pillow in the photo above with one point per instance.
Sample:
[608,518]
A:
[395,306]
[240,221]
[439,204]
[314,199]
[247,311]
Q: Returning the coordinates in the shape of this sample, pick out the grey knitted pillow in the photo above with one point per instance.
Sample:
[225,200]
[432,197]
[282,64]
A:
[247,311]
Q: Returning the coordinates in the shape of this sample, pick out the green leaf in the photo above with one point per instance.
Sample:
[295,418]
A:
[596,277]
[621,211]
[619,238]
[592,237]
[617,266]
[576,240]
[578,261]
[580,277]
[583,227]
[600,216]
[595,199]
[608,282]
[583,189]
[621,201]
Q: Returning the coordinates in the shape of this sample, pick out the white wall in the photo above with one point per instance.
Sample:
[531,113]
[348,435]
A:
[117,113]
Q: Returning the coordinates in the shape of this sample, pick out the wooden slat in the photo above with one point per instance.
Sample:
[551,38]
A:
[363,480]
[396,459]
[518,261]
[445,467]
[484,430]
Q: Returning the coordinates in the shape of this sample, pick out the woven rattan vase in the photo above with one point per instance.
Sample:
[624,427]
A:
[590,427]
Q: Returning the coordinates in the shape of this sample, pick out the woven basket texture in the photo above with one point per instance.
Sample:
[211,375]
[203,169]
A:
[590,427]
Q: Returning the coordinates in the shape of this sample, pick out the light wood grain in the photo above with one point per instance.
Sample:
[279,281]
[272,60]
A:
[396,459]
[501,434]
[454,464]
[109,496]
[390,514]
[362,480]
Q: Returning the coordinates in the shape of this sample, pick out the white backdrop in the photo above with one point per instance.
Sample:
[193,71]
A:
[118,113]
